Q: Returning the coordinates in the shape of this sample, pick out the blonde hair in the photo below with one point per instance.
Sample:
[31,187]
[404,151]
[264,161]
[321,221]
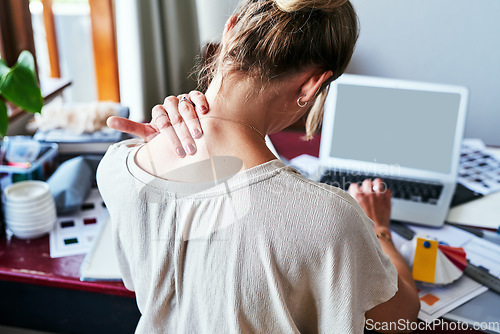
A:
[273,38]
[296,5]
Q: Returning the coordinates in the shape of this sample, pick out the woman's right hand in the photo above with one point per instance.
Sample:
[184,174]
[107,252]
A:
[375,199]
[176,118]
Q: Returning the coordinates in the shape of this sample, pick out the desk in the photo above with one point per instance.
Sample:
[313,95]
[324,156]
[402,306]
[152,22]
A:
[46,294]
[481,212]
[41,293]
[290,145]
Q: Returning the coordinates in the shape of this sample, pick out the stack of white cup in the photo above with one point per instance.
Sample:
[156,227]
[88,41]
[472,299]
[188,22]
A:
[29,209]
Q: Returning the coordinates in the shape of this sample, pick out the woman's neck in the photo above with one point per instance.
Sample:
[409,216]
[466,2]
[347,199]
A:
[235,101]
[233,128]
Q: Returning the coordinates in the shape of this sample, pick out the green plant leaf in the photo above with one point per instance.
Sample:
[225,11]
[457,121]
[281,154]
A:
[19,84]
[4,119]
[4,69]
[26,59]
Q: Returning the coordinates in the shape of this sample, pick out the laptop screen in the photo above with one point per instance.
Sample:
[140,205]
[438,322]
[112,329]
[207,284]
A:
[409,128]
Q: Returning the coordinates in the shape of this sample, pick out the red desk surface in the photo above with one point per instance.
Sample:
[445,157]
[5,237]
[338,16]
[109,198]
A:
[291,144]
[28,261]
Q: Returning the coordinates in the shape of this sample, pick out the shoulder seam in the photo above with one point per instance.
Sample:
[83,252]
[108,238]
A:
[355,206]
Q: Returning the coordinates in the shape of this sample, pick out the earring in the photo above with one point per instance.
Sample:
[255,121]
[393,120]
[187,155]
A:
[302,105]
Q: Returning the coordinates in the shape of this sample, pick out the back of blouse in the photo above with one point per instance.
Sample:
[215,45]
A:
[264,251]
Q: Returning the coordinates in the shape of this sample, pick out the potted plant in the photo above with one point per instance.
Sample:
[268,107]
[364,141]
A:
[19,86]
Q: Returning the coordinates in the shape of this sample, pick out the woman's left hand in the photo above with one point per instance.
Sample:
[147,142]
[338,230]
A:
[375,199]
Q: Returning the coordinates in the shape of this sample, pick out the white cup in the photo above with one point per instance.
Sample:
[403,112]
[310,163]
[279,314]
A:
[32,233]
[33,223]
[26,191]
[30,215]
[29,205]
[29,209]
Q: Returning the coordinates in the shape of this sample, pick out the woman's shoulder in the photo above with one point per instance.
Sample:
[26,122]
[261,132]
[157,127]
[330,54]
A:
[113,164]
[126,145]
[316,211]
[117,154]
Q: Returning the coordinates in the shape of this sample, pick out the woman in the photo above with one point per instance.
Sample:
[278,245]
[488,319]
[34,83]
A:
[231,240]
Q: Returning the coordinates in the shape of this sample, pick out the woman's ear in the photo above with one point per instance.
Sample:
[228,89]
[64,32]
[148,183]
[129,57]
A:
[229,25]
[313,83]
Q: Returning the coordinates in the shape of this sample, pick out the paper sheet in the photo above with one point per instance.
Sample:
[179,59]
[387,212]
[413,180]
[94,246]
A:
[74,234]
[437,301]
[449,234]
[481,212]
[483,253]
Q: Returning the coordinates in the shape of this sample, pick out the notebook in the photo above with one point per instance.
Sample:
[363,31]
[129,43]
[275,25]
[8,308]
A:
[408,133]
[101,263]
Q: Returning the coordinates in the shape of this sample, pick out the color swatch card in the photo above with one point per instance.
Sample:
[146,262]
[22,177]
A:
[479,170]
[74,234]
[437,263]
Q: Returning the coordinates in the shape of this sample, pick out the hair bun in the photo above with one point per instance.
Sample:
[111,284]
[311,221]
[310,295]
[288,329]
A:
[300,5]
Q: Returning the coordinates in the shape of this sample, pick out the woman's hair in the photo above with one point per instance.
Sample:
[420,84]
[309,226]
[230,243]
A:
[273,38]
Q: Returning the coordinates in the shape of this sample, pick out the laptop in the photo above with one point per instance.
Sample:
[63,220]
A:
[407,133]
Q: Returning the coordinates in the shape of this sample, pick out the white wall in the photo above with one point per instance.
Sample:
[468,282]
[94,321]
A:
[212,16]
[443,41]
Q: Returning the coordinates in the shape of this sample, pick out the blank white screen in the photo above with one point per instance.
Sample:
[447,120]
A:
[409,128]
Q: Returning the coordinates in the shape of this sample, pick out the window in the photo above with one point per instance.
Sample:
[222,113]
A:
[70,39]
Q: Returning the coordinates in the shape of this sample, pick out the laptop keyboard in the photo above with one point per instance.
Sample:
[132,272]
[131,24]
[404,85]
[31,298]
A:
[401,189]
